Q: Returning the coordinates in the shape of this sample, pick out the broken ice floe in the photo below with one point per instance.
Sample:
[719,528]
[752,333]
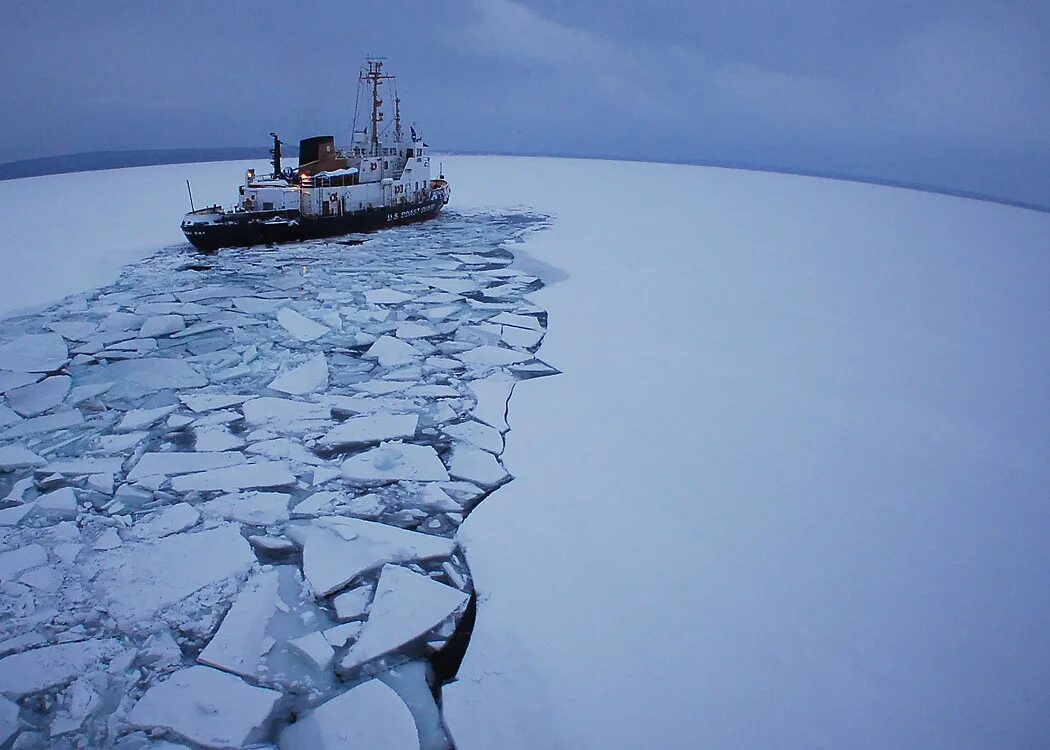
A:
[241,499]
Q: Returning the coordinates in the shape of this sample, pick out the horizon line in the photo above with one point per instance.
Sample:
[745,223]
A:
[123,159]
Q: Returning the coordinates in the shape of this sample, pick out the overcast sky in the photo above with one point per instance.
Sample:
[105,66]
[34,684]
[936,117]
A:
[950,93]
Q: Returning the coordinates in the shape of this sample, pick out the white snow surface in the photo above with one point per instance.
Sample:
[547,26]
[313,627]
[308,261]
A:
[790,487]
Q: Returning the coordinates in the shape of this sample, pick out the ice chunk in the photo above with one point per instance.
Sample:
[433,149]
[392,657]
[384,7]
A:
[411,681]
[300,326]
[206,706]
[151,374]
[366,506]
[405,607]
[36,398]
[476,433]
[216,440]
[140,419]
[8,720]
[138,580]
[10,380]
[162,325]
[103,483]
[521,337]
[411,330]
[285,448]
[47,667]
[340,634]
[380,387]
[170,464]
[243,477]
[271,544]
[171,520]
[16,457]
[76,330]
[336,550]
[371,429]
[313,505]
[435,498]
[308,377]
[255,508]
[492,394]
[433,391]
[202,402]
[283,413]
[82,466]
[452,285]
[34,352]
[517,321]
[352,604]
[257,306]
[14,562]
[8,417]
[477,466]
[46,423]
[396,461]
[315,648]
[209,292]
[109,539]
[391,351]
[58,505]
[386,297]
[241,641]
[79,700]
[84,392]
[370,715]
[492,356]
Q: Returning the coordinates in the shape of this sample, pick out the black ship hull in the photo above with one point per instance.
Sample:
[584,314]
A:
[244,229]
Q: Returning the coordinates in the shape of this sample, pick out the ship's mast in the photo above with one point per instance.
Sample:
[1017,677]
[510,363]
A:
[374,75]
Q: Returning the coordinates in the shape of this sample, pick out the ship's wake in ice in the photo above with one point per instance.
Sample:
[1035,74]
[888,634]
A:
[230,488]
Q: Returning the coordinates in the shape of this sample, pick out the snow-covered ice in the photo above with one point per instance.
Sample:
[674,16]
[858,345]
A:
[405,607]
[371,429]
[308,377]
[138,580]
[34,352]
[241,477]
[396,461]
[337,550]
[299,325]
[206,706]
[370,715]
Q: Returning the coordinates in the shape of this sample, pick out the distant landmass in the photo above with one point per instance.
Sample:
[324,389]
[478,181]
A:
[92,160]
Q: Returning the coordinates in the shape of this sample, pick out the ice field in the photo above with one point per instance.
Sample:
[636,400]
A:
[787,487]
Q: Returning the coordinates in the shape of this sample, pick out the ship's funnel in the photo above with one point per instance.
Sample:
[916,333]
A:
[317,148]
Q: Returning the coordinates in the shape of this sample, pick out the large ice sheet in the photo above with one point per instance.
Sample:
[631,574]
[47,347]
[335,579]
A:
[140,579]
[206,706]
[308,377]
[170,464]
[155,373]
[336,550]
[300,326]
[242,477]
[34,399]
[46,667]
[242,639]
[371,429]
[34,352]
[405,607]
[396,461]
[370,715]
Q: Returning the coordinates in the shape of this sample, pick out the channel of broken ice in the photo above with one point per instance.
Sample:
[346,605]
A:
[230,488]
